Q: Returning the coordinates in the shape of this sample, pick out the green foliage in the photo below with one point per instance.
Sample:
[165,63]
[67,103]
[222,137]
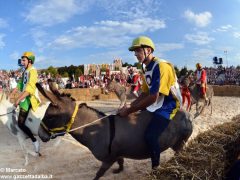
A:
[183,71]
[53,71]
[126,64]
[70,70]
[103,69]
[177,71]
[65,74]
[138,65]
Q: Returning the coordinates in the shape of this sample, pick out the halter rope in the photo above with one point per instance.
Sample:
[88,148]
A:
[7,113]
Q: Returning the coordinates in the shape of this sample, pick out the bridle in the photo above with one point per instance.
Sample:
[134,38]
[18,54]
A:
[64,129]
[54,132]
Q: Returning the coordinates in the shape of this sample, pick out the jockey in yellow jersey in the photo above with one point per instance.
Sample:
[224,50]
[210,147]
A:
[28,98]
[161,94]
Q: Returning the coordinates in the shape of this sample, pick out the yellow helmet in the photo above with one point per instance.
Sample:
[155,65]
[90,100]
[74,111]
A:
[198,65]
[142,41]
[29,55]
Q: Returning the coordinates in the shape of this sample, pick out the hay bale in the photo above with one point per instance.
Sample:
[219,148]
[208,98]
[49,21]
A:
[208,156]
[226,90]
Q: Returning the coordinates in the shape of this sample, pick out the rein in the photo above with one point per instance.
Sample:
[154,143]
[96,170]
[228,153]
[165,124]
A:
[53,135]
[7,113]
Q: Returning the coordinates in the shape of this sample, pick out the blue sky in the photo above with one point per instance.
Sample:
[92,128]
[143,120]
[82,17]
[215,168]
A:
[65,32]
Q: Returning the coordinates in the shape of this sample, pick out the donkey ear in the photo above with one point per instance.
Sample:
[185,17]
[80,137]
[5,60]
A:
[51,97]
[53,88]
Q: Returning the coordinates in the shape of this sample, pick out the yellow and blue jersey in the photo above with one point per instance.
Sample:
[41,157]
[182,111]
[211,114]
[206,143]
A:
[160,77]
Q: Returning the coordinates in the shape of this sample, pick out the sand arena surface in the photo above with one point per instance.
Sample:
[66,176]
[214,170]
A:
[70,160]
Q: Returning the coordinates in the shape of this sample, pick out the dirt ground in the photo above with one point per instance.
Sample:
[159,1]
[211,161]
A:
[70,160]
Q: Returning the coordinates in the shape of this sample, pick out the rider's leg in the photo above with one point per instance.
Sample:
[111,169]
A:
[155,128]
[203,92]
[189,101]
[135,93]
[21,123]
[183,99]
[135,90]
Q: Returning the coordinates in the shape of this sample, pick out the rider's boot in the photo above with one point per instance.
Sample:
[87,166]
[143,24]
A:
[206,99]
[36,146]
[155,157]
[135,93]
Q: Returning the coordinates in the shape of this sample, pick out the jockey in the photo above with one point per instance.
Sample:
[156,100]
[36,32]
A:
[186,95]
[201,81]
[28,98]
[161,94]
[134,81]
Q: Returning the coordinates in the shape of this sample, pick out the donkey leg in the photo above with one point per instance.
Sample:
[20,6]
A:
[120,168]
[23,147]
[197,110]
[104,167]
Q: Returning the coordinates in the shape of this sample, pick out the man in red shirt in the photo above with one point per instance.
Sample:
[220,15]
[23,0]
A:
[201,81]
[134,81]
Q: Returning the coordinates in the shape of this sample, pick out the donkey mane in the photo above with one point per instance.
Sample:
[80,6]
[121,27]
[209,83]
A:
[55,91]
[67,95]
[95,110]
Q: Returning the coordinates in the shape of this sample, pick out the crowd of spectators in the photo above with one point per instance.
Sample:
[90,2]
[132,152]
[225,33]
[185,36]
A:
[223,75]
[217,76]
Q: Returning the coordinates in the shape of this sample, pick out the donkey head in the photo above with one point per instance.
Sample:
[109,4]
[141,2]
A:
[58,113]
[112,85]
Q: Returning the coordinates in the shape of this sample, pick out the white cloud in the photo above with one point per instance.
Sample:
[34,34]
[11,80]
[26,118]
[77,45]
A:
[40,38]
[225,28]
[236,35]
[15,55]
[48,13]
[200,20]
[2,43]
[164,47]
[130,9]
[235,60]
[3,23]
[106,33]
[51,12]
[135,26]
[201,38]
[202,55]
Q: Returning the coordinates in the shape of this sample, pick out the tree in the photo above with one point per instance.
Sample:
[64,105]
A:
[78,72]
[176,70]
[53,71]
[65,74]
[126,64]
[138,65]
[183,71]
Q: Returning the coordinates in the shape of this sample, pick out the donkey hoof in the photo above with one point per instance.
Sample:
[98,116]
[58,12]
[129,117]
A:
[116,171]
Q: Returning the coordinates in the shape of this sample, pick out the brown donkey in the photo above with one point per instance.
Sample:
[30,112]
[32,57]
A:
[109,138]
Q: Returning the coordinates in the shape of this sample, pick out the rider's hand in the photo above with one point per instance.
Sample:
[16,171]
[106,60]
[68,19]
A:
[16,103]
[123,111]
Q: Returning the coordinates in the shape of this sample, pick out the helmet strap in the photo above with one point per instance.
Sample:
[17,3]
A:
[145,59]
[145,55]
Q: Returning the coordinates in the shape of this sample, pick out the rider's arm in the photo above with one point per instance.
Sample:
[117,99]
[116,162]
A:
[143,103]
[140,98]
